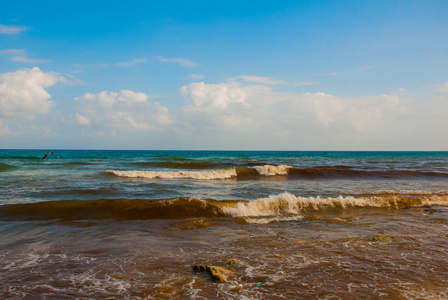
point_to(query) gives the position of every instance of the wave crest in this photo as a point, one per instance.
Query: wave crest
(197, 175)
(282, 207)
(266, 170)
(286, 203)
(269, 170)
(293, 173)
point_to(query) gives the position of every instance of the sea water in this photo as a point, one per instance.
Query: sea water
(301, 225)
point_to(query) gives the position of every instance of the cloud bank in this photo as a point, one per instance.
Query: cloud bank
(258, 113)
(248, 113)
(125, 110)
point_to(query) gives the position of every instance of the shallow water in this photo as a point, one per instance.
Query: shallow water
(71, 229)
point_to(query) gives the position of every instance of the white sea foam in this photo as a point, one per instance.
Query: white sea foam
(268, 170)
(288, 204)
(198, 175)
(30, 260)
(267, 220)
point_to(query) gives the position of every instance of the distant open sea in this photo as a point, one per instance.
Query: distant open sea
(298, 225)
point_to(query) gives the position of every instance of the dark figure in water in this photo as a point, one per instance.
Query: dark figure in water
(46, 154)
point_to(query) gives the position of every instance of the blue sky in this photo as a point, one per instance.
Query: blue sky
(242, 75)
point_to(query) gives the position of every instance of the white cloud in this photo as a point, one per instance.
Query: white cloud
(29, 60)
(443, 88)
(220, 95)
(23, 97)
(131, 63)
(21, 57)
(359, 69)
(196, 76)
(220, 114)
(71, 80)
(257, 79)
(250, 114)
(4, 130)
(349, 114)
(120, 64)
(11, 29)
(82, 120)
(303, 83)
(239, 114)
(123, 110)
(93, 65)
(178, 60)
(23, 94)
(268, 80)
(13, 51)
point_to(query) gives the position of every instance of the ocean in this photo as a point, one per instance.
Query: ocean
(273, 225)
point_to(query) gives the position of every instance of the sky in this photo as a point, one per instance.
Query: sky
(224, 75)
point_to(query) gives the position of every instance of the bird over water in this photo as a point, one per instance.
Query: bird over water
(46, 154)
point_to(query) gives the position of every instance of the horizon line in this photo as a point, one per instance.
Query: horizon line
(214, 150)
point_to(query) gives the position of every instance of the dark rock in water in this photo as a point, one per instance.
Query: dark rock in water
(383, 238)
(199, 268)
(230, 261)
(218, 274)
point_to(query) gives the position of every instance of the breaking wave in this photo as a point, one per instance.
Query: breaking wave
(266, 170)
(282, 207)
(289, 204)
(260, 172)
(197, 175)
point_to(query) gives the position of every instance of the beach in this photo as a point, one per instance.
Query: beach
(295, 225)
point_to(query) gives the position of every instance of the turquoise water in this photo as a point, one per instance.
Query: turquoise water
(301, 225)
(85, 175)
